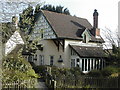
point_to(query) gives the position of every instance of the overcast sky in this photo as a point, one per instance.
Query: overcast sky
(107, 9)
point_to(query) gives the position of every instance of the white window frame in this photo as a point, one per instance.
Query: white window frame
(51, 60)
(41, 58)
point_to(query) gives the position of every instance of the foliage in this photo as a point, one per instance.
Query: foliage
(95, 73)
(7, 30)
(15, 67)
(26, 25)
(114, 57)
(26, 22)
(39, 69)
(107, 71)
(76, 71)
(58, 9)
(37, 9)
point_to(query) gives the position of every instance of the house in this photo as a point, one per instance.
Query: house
(11, 38)
(14, 43)
(67, 41)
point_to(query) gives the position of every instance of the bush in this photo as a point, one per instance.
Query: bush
(109, 71)
(76, 71)
(95, 73)
(15, 68)
(39, 69)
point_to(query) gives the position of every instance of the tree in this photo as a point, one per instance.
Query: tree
(15, 67)
(58, 9)
(26, 22)
(114, 56)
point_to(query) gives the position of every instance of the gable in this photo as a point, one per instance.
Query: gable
(14, 41)
(86, 34)
(42, 29)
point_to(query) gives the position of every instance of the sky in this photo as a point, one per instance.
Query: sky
(107, 9)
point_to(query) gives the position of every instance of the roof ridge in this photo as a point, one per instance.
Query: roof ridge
(63, 14)
(55, 12)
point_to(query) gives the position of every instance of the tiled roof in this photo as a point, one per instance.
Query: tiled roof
(67, 26)
(84, 51)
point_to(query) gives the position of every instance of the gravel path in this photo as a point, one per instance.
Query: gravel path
(41, 85)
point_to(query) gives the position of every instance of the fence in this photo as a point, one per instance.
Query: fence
(20, 84)
(81, 82)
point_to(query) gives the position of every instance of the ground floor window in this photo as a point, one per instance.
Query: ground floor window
(88, 64)
(78, 62)
(41, 57)
(72, 62)
(51, 60)
(30, 58)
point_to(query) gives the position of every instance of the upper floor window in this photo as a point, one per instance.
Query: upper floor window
(41, 33)
(84, 38)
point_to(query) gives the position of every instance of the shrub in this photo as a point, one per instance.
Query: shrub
(109, 71)
(76, 71)
(39, 69)
(15, 68)
(95, 73)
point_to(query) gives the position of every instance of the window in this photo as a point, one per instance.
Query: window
(51, 60)
(72, 62)
(78, 62)
(41, 57)
(95, 64)
(30, 58)
(41, 33)
(83, 64)
(92, 64)
(88, 64)
(73, 52)
(84, 38)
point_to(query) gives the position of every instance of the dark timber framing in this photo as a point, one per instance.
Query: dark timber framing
(58, 43)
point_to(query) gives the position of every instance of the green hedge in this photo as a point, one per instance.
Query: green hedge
(107, 71)
(15, 68)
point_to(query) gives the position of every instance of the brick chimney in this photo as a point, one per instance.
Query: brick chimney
(96, 30)
(95, 19)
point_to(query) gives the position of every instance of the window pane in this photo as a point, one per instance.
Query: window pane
(78, 62)
(88, 64)
(51, 60)
(95, 64)
(72, 62)
(85, 64)
(82, 64)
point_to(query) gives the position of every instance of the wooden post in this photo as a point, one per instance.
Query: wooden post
(54, 84)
